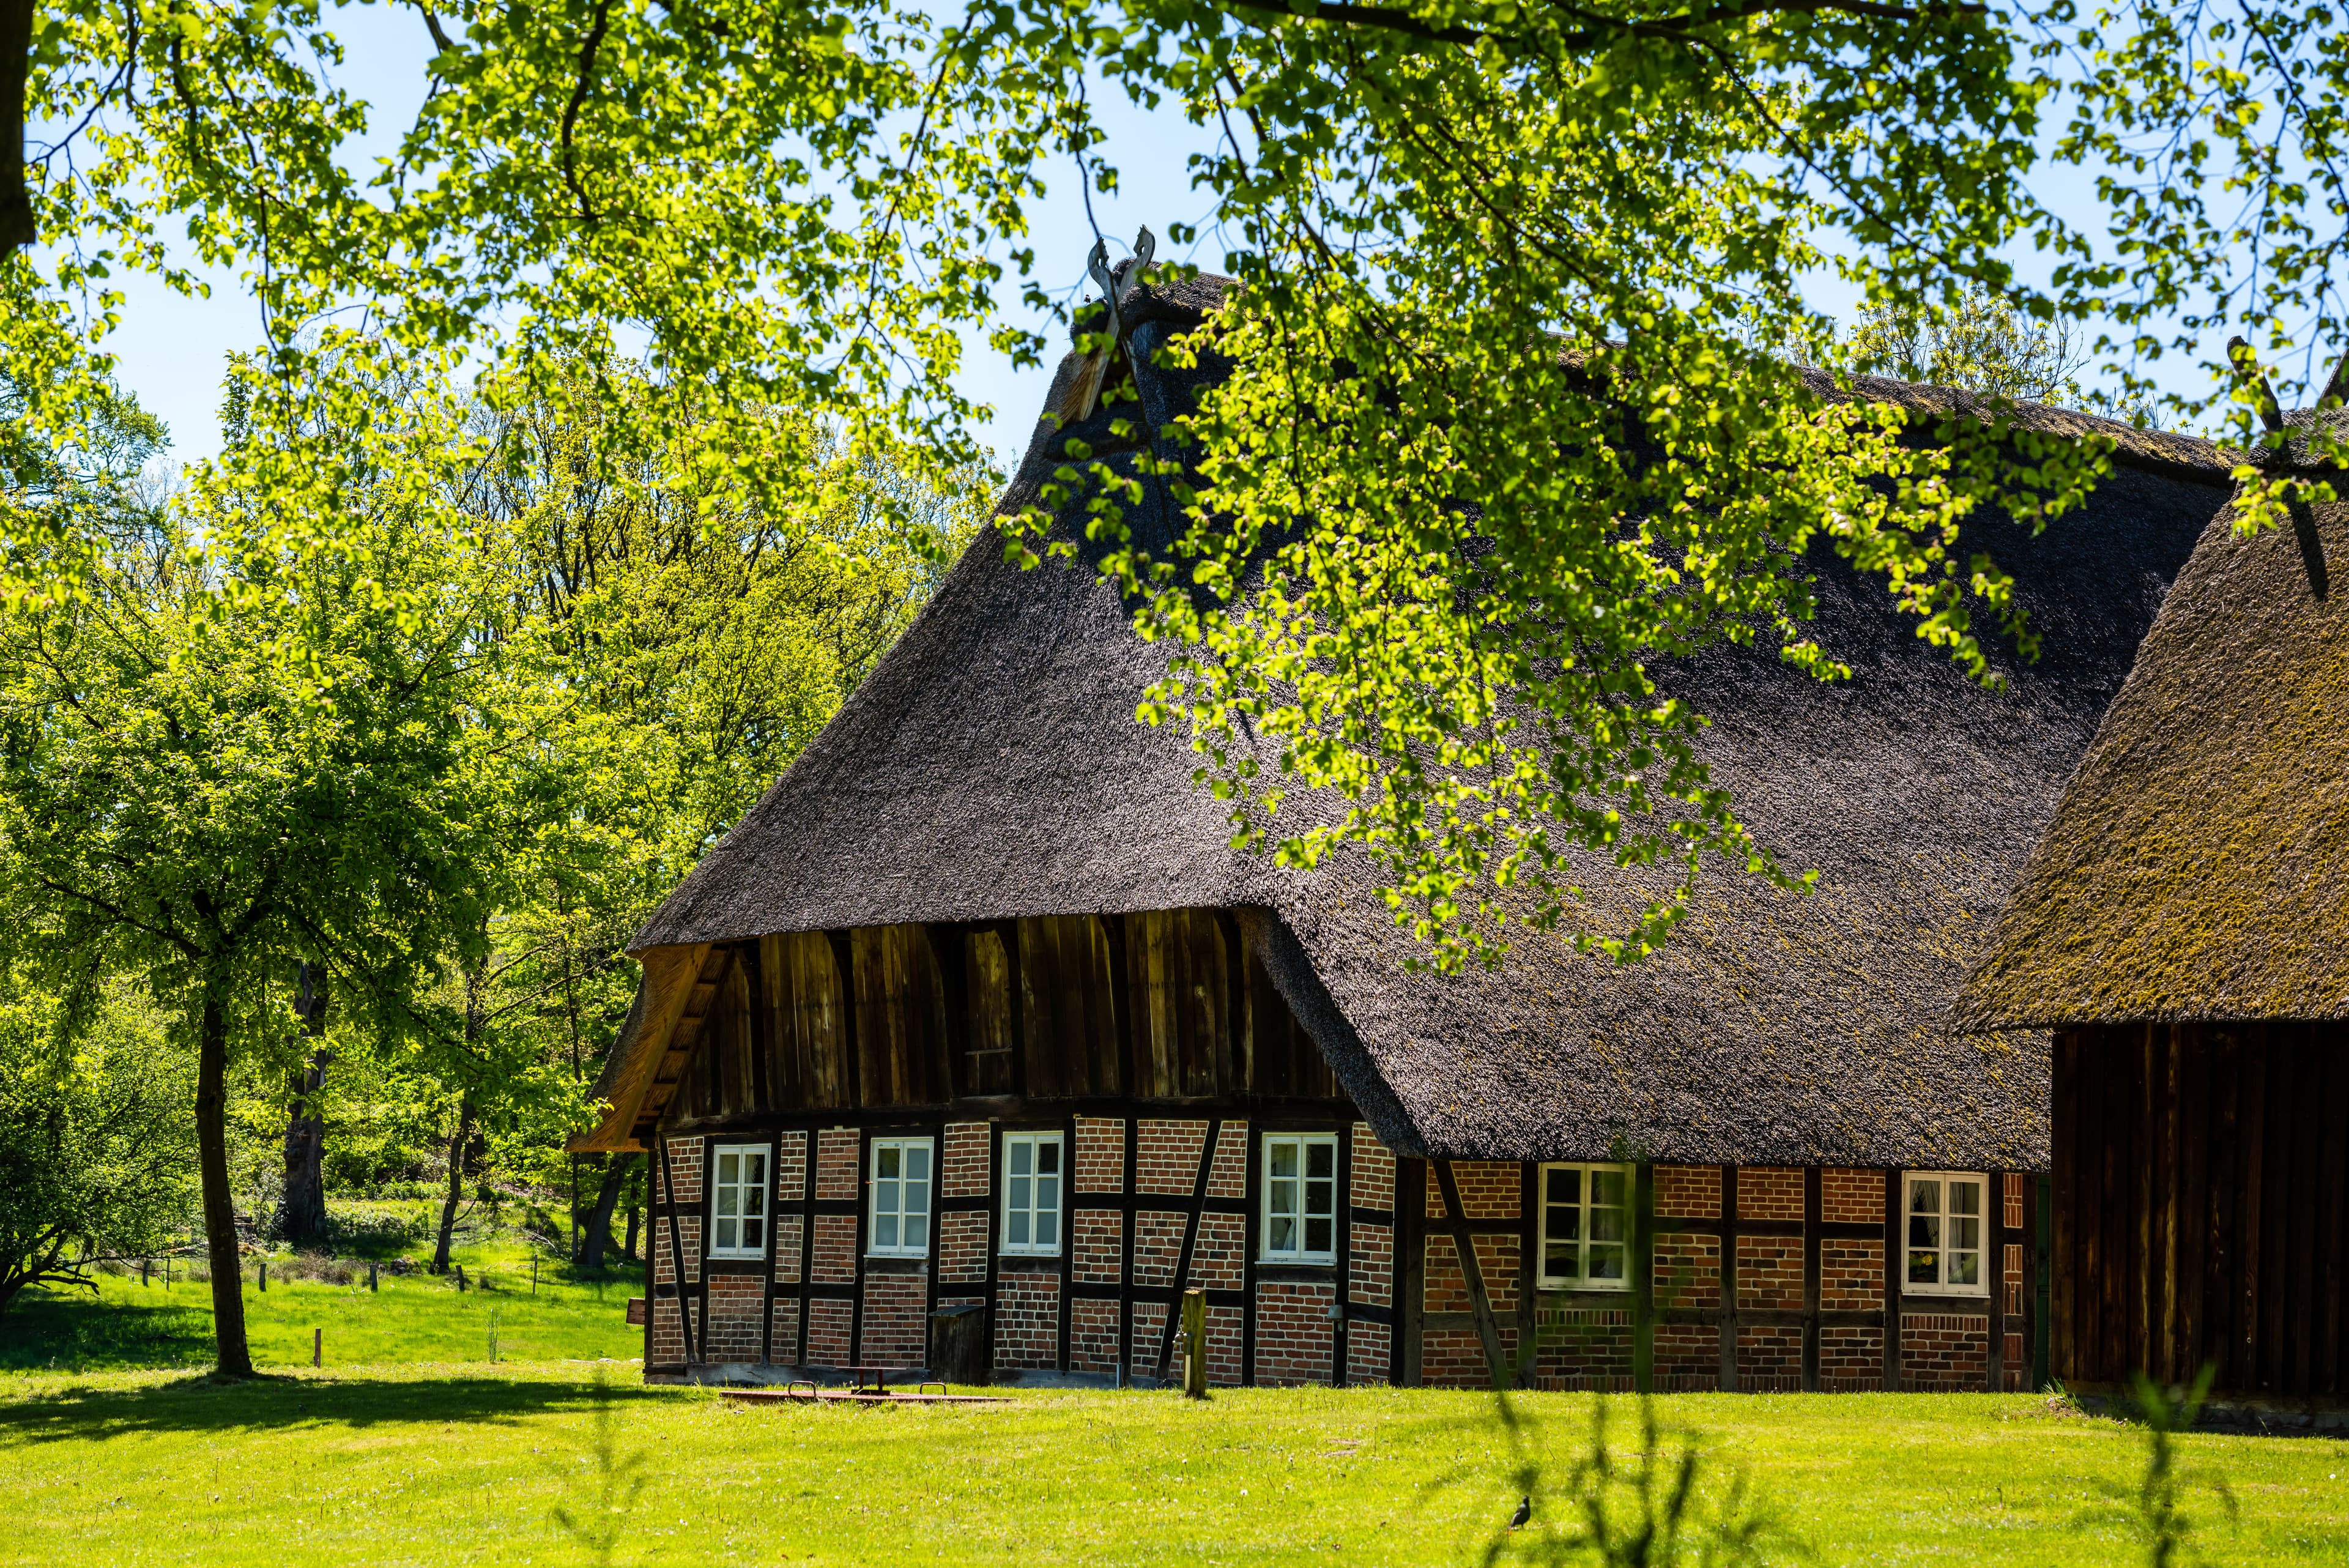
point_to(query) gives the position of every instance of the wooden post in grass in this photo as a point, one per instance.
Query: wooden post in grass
(461, 1278)
(371, 1273)
(317, 1347)
(1194, 1340)
(265, 1276)
(533, 1274)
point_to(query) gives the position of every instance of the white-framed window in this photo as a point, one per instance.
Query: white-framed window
(1586, 1227)
(1945, 1211)
(1033, 1183)
(900, 1188)
(738, 1201)
(1300, 1198)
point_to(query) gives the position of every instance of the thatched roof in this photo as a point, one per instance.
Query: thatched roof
(2198, 865)
(991, 767)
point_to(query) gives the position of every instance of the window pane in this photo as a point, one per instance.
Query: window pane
(1047, 1192)
(1965, 1232)
(1608, 1225)
(1965, 1268)
(1562, 1261)
(1282, 1196)
(1565, 1224)
(1022, 1192)
(1965, 1198)
(917, 1232)
(724, 1236)
(1320, 1236)
(1048, 1228)
(918, 1162)
(727, 1198)
(754, 1201)
(1015, 1229)
(1922, 1269)
(754, 1235)
(1565, 1186)
(1606, 1262)
(1321, 1159)
(1048, 1156)
(884, 1160)
(884, 1230)
(917, 1196)
(885, 1197)
(729, 1169)
(1281, 1235)
(1924, 1197)
(1321, 1197)
(1022, 1153)
(1607, 1187)
(1281, 1157)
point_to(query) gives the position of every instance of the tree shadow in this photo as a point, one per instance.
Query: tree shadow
(199, 1403)
(68, 1326)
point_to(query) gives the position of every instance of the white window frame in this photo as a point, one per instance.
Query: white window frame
(1059, 1208)
(1304, 1144)
(1942, 1243)
(760, 1193)
(928, 1149)
(1581, 1241)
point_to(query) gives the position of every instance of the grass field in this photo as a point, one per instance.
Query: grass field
(469, 1463)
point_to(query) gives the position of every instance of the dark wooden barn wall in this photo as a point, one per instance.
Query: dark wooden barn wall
(2199, 1205)
(1165, 1005)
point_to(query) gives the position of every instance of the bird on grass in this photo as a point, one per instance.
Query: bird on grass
(1525, 1512)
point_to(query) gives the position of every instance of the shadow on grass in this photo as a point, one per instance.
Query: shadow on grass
(69, 1329)
(197, 1403)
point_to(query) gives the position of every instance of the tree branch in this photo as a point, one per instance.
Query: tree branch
(571, 111)
(15, 65)
(1600, 30)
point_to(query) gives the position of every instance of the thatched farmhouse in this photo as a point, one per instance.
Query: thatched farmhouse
(2180, 929)
(977, 1011)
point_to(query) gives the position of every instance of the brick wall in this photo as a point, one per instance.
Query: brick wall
(1099, 1163)
(1219, 1255)
(1488, 1188)
(669, 1344)
(787, 1329)
(1226, 1326)
(1157, 1246)
(1769, 1192)
(1100, 1235)
(1768, 1354)
(896, 1319)
(964, 1161)
(1688, 1192)
(1851, 1274)
(1447, 1287)
(1295, 1339)
(1374, 1170)
(1944, 1350)
(1769, 1269)
(1228, 1177)
(1369, 1274)
(835, 1258)
(787, 1249)
(1688, 1356)
(1368, 1346)
(1028, 1318)
(1093, 1335)
(1167, 1155)
(1582, 1342)
(963, 1238)
(736, 1314)
(828, 1325)
(839, 1154)
(1852, 1197)
(1854, 1357)
(1688, 1270)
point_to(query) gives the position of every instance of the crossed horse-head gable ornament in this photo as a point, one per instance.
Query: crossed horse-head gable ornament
(1117, 285)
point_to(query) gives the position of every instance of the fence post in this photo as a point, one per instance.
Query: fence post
(265, 1276)
(1194, 1336)
(317, 1347)
(371, 1273)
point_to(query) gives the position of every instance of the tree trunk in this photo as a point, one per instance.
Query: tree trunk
(598, 1234)
(629, 1252)
(232, 1356)
(302, 1212)
(456, 1181)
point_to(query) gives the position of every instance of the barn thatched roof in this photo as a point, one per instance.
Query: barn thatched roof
(991, 767)
(2198, 865)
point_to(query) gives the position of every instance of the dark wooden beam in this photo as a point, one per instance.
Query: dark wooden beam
(1405, 1356)
(843, 959)
(1893, 1199)
(1728, 1279)
(676, 1255)
(1644, 1277)
(1488, 1329)
(1528, 1271)
(1813, 1205)
(1190, 1238)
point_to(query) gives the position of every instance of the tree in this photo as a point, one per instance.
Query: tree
(93, 1144)
(1562, 254)
(230, 755)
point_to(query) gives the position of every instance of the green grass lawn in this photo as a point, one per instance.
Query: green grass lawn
(467, 1463)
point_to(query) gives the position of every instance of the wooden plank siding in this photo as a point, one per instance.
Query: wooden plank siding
(2200, 1180)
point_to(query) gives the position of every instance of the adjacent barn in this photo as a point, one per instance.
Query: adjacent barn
(2179, 930)
(978, 1013)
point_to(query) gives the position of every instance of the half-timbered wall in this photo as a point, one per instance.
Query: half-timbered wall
(2201, 1206)
(1165, 1005)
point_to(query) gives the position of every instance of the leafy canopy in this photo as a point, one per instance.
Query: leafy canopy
(1512, 417)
